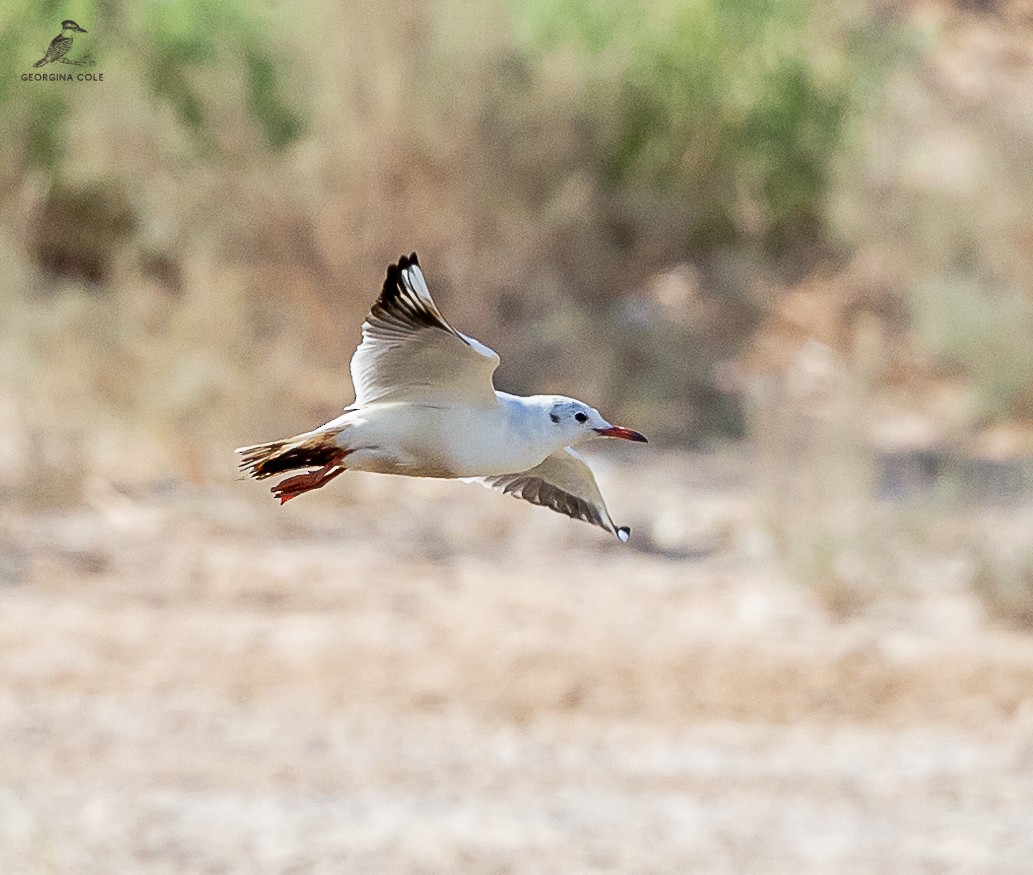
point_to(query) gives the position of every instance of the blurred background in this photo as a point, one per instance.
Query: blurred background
(789, 240)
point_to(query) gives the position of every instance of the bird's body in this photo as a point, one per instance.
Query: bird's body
(445, 440)
(60, 44)
(425, 407)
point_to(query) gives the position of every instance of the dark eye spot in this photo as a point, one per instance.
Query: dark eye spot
(581, 417)
(554, 417)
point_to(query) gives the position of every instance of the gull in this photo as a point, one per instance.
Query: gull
(426, 406)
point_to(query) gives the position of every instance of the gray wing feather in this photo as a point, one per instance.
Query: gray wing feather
(563, 483)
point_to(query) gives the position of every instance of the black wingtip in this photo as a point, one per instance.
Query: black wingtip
(393, 279)
(400, 302)
(405, 262)
(623, 533)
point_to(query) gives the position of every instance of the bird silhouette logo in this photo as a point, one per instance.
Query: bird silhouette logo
(61, 45)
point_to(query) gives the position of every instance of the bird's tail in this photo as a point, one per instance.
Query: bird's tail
(40, 62)
(317, 451)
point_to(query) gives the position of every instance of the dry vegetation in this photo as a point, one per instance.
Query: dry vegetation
(794, 235)
(413, 676)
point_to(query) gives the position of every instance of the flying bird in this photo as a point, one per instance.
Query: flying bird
(60, 44)
(425, 406)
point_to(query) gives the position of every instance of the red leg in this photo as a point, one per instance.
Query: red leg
(292, 487)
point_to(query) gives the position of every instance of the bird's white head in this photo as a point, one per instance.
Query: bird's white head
(573, 421)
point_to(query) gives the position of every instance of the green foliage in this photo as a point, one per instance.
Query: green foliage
(282, 126)
(187, 53)
(191, 36)
(736, 107)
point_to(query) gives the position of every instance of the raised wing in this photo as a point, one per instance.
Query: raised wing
(563, 483)
(410, 353)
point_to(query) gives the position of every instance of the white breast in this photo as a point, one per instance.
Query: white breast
(441, 441)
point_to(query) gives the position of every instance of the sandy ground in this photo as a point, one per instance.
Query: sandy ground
(420, 677)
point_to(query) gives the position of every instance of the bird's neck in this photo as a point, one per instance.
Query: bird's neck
(529, 421)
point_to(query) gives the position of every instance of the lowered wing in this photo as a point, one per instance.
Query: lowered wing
(563, 483)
